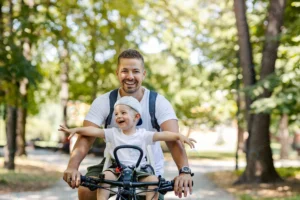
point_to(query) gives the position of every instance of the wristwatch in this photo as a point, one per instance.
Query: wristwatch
(185, 170)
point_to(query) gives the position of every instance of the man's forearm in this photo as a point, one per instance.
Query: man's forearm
(80, 150)
(178, 153)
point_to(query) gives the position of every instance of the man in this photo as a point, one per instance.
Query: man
(130, 73)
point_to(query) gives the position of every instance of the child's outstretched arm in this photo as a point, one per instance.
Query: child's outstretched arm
(171, 136)
(85, 131)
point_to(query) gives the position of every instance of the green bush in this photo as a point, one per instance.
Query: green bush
(284, 172)
(288, 172)
(248, 197)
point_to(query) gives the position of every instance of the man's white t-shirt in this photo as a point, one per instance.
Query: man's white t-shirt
(128, 156)
(163, 111)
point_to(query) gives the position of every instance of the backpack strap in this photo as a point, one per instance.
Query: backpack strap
(112, 100)
(152, 100)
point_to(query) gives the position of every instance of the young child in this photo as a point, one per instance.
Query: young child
(127, 112)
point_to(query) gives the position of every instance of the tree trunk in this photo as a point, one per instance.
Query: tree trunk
(10, 148)
(64, 93)
(11, 117)
(95, 72)
(26, 8)
(21, 121)
(189, 132)
(272, 37)
(1, 29)
(20, 132)
(240, 131)
(260, 167)
(284, 137)
(64, 78)
(239, 145)
(245, 57)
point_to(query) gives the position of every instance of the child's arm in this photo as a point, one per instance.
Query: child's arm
(85, 131)
(171, 136)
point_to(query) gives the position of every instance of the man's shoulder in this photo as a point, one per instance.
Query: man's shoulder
(147, 91)
(103, 97)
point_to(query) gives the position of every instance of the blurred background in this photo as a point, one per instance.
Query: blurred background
(231, 69)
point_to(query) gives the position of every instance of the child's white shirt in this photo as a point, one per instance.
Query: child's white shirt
(129, 156)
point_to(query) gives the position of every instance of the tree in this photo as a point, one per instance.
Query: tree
(15, 68)
(260, 167)
(27, 38)
(284, 103)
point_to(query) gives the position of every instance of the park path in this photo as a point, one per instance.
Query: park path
(203, 187)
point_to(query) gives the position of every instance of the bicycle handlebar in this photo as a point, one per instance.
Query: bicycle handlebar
(92, 184)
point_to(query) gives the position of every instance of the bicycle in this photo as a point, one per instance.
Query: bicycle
(128, 186)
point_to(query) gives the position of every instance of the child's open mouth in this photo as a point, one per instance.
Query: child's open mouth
(121, 121)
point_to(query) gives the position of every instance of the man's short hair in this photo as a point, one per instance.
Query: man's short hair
(131, 53)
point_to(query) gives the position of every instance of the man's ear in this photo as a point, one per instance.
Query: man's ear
(144, 74)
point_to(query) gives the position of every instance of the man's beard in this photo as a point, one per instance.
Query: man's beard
(130, 89)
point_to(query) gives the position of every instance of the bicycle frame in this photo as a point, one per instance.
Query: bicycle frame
(127, 187)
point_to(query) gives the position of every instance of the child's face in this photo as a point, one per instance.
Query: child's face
(125, 116)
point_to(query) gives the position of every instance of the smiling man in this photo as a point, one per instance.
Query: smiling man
(131, 73)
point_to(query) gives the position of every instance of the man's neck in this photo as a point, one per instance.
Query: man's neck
(138, 94)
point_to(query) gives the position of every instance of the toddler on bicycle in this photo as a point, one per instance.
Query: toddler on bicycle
(127, 111)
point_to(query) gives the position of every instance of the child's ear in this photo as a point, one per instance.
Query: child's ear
(137, 116)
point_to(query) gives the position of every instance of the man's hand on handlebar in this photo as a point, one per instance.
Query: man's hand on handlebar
(183, 182)
(72, 177)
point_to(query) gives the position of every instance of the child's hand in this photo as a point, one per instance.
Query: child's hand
(71, 131)
(189, 141)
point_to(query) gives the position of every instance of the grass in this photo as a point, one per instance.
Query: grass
(209, 155)
(212, 155)
(287, 190)
(284, 172)
(26, 178)
(248, 197)
(228, 155)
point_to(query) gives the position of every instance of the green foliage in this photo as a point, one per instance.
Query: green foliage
(287, 172)
(248, 197)
(211, 155)
(284, 172)
(200, 89)
(15, 65)
(286, 91)
(285, 83)
(194, 63)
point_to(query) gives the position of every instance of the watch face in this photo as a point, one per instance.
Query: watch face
(185, 170)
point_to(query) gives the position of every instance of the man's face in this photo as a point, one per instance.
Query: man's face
(131, 74)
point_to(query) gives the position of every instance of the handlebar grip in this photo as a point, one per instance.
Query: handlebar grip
(82, 178)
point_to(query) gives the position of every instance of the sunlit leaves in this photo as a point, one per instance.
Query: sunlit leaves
(285, 98)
